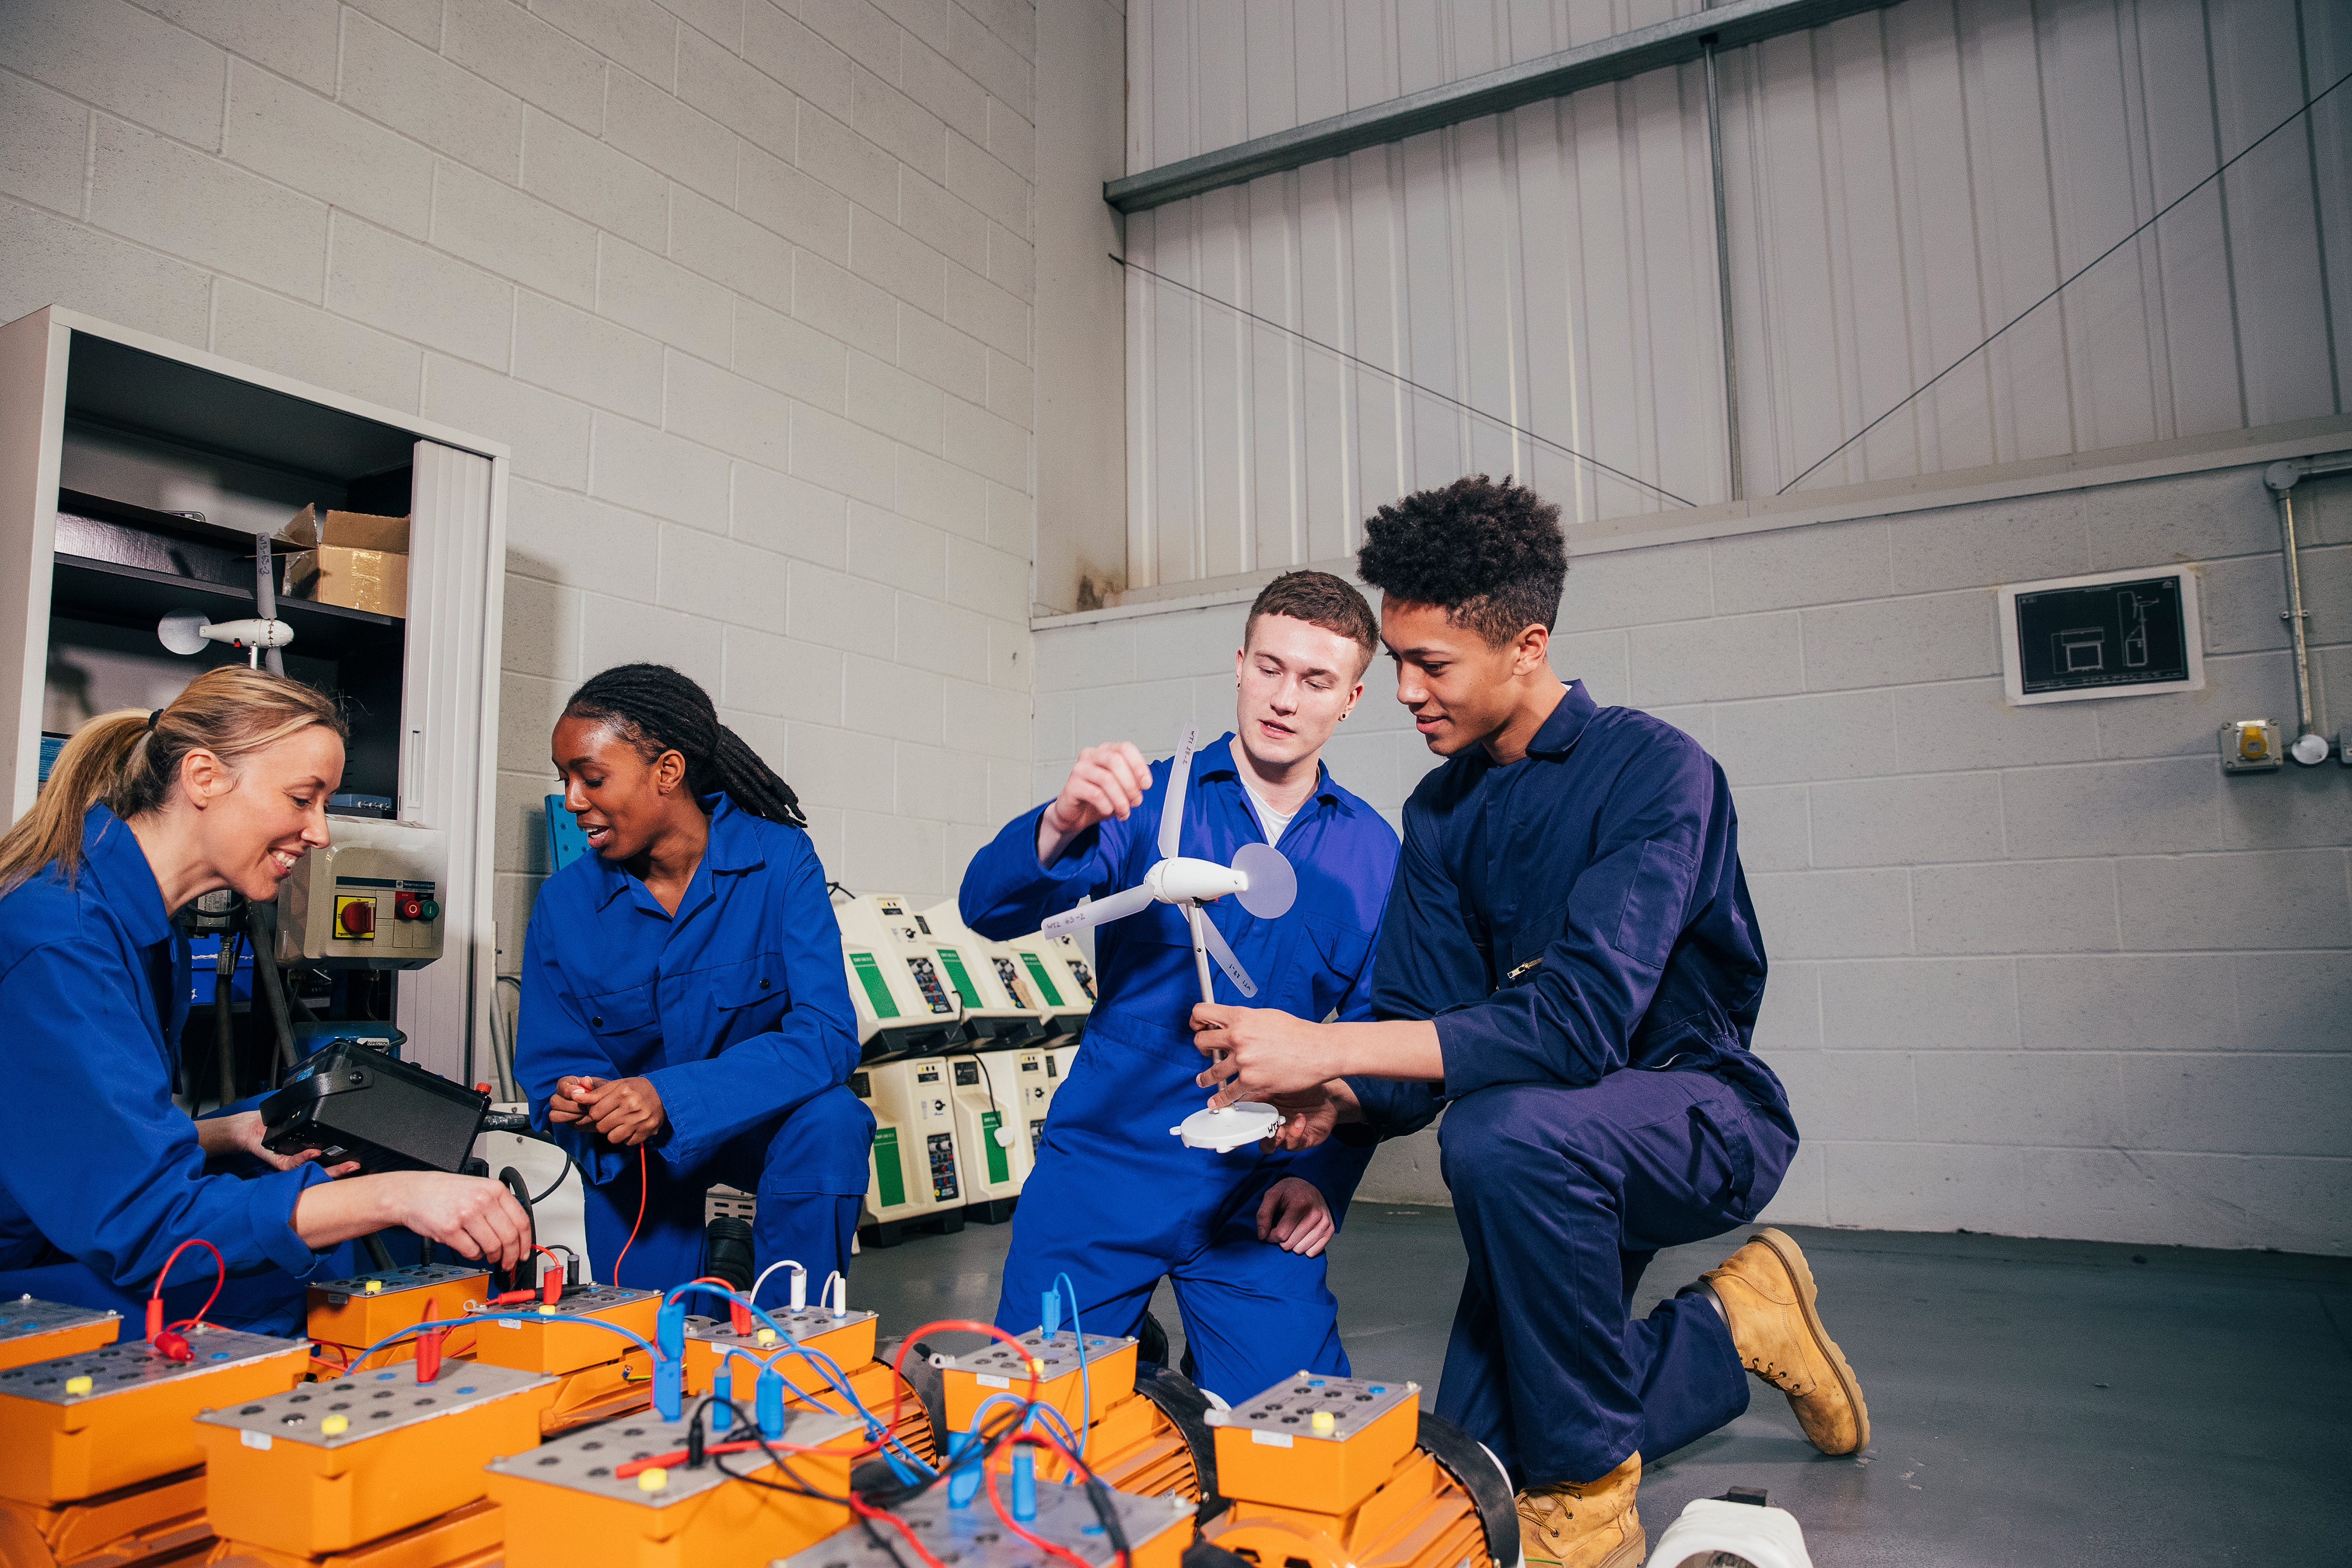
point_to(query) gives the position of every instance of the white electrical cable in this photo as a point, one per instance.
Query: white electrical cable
(840, 1305)
(799, 1281)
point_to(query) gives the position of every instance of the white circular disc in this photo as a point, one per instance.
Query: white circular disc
(1273, 881)
(183, 631)
(1227, 1130)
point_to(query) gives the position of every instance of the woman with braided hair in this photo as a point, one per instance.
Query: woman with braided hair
(686, 1017)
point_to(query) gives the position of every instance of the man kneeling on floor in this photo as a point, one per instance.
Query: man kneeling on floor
(1570, 965)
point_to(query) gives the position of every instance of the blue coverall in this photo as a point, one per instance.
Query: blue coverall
(101, 1173)
(1115, 1201)
(1577, 925)
(737, 1010)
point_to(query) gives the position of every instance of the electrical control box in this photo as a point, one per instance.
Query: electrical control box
(1065, 983)
(328, 1465)
(990, 1130)
(104, 1419)
(1328, 1441)
(1036, 1091)
(970, 1379)
(847, 1342)
(1002, 1007)
(917, 1172)
(566, 1506)
(898, 983)
(33, 1331)
(369, 900)
(1158, 1529)
(529, 1341)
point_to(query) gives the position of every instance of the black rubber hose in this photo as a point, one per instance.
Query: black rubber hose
(727, 1251)
(224, 1025)
(378, 1253)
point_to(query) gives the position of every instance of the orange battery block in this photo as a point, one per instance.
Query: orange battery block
(1325, 1472)
(1158, 1529)
(33, 1331)
(352, 1314)
(327, 1467)
(472, 1537)
(150, 1525)
(603, 1374)
(109, 1418)
(996, 1368)
(565, 1507)
(847, 1342)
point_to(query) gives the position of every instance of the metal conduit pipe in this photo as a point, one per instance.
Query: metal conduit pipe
(2310, 747)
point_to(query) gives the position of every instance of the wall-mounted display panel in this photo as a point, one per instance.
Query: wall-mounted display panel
(2112, 634)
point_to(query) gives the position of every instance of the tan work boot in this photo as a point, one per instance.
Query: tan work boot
(1584, 1524)
(1768, 1299)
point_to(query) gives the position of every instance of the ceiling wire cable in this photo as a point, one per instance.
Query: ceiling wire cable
(1407, 381)
(2078, 272)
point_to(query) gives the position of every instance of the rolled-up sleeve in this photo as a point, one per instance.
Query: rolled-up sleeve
(104, 1166)
(812, 1048)
(1570, 1018)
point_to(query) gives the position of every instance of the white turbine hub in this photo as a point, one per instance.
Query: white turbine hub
(1180, 877)
(1227, 1130)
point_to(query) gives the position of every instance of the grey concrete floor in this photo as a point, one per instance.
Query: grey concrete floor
(2032, 1402)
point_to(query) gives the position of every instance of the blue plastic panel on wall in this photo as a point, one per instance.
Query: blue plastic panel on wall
(565, 842)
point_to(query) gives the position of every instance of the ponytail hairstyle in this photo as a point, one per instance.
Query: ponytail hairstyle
(129, 759)
(656, 709)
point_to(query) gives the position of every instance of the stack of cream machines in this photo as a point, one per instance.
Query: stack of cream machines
(961, 1043)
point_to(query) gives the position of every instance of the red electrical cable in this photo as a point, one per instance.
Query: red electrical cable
(168, 1339)
(868, 1511)
(958, 1325)
(641, 1216)
(988, 1480)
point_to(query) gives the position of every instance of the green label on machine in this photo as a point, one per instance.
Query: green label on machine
(889, 1181)
(956, 976)
(1000, 1165)
(877, 990)
(1045, 981)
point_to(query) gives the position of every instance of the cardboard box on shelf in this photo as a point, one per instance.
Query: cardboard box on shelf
(347, 558)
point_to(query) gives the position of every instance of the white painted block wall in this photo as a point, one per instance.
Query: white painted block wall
(2039, 970)
(747, 286)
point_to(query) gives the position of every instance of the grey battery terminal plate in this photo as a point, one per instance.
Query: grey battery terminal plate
(973, 1537)
(798, 1326)
(373, 1403)
(122, 1367)
(583, 1460)
(24, 1317)
(1289, 1409)
(394, 1281)
(578, 1301)
(998, 1359)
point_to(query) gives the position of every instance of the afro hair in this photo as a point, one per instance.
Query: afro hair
(1491, 555)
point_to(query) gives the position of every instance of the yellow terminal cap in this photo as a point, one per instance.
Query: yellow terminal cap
(335, 1426)
(545, 1310)
(78, 1386)
(653, 1480)
(375, 1287)
(765, 1337)
(1321, 1421)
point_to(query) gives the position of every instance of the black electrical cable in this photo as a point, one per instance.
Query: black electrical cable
(719, 1462)
(559, 1177)
(1407, 381)
(2078, 272)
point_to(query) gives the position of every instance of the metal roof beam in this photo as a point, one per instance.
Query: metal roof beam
(1532, 81)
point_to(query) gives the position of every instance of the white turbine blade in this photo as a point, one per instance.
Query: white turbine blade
(1119, 906)
(1171, 804)
(1215, 943)
(1273, 883)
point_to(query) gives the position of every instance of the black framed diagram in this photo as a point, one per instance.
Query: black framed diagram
(2111, 634)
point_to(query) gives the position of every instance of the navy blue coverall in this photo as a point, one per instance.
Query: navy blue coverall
(101, 1174)
(737, 1010)
(1577, 925)
(1115, 1201)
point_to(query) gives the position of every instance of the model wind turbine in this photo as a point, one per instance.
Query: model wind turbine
(1259, 878)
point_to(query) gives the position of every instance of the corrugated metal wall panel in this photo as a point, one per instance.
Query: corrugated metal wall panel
(1899, 184)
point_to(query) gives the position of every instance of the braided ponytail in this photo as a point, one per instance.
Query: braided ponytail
(657, 710)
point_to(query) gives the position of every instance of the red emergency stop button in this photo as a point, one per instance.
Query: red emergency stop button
(409, 906)
(357, 917)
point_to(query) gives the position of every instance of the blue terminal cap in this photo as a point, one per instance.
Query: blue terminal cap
(1024, 1484)
(670, 1389)
(1049, 1314)
(768, 1404)
(669, 1330)
(963, 1477)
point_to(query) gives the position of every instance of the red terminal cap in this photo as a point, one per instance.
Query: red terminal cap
(174, 1344)
(514, 1298)
(155, 1317)
(550, 1286)
(428, 1350)
(738, 1314)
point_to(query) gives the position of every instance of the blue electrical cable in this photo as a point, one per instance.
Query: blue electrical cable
(441, 1325)
(1085, 1386)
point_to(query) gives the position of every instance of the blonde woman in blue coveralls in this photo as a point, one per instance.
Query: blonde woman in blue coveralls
(685, 1018)
(101, 1175)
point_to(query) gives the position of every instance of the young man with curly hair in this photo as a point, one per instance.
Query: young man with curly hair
(1569, 966)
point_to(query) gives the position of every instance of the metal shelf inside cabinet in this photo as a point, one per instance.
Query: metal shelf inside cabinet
(112, 593)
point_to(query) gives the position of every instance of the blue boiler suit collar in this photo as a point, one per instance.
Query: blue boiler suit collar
(733, 850)
(1556, 736)
(114, 863)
